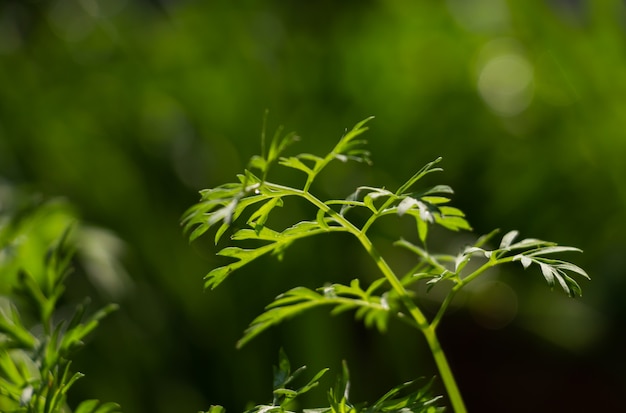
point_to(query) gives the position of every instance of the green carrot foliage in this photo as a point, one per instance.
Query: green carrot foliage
(389, 296)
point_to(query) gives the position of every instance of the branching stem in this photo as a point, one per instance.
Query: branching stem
(422, 323)
(426, 208)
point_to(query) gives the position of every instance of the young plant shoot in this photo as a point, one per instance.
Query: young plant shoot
(388, 296)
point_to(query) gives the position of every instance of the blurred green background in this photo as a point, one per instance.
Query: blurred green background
(127, 108)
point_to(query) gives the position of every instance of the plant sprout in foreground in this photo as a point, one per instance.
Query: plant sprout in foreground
(388, 296)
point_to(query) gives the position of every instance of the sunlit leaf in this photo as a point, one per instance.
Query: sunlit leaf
(400, 399)
(422, 230)
(529, 243)
(373, 195)
(554, 271)
(439, 189)
(375, 286)
(435, 200)
(507, 239)
(295, 163)
(347, 145)
(562, 265)
(406, 204)
(309, 157)
(426, 169)
(243, 256)
(453, 223)
(258, 162)
(95, 406)
(298, 303)
(548, 272)
(343, 297)
(425, 214)
(260, 216)
(552, 250)
(524, 260)
(279, 144)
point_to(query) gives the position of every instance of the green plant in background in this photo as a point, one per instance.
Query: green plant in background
(375, 301)
(36, 342)
(338, 396)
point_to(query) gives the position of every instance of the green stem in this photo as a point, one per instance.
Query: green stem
(317, 169)
(459, 284)
(377, 214)
(444, 369)
(462, 283)
(433, 342)
(422, 322)
(428, 330)
(371, 250)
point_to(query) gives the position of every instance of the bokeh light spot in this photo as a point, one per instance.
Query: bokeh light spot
(506, 82)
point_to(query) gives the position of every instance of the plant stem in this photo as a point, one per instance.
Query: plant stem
(444, 369)
(462, 283)
(422, 322)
